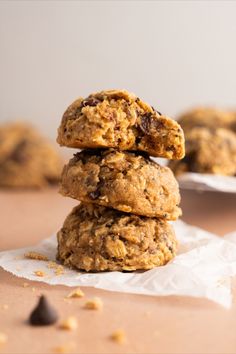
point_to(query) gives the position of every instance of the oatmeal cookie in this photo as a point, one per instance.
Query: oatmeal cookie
(208, 151)
(94, 238)
(27, 160)
(119, 119)
(208, 118)
(127, 181)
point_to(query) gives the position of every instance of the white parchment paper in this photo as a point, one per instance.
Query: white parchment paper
(203, 182)
(207, 182)
(203, 268)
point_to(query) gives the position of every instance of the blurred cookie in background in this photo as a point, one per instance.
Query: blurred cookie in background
(207, 117)
(27, 159)
(208, 150)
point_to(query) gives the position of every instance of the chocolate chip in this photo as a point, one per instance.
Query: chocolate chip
(43, 314)
(90, 101)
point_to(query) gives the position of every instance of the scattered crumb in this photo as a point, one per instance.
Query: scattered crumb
(69, 323)
(3, 338)
(59, 269)
(5, 307)
(39, 273)
(35, 255)
(52, 265)
(94, 304)
(119, 336)
(25, 285)
(64, 348)
(77, 293)
(33, 289)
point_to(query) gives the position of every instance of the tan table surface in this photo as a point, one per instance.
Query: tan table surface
(152, 324)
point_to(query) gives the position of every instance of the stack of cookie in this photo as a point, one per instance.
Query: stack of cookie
(126, 198)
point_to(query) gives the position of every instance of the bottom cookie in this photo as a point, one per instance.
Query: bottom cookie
(95, 238)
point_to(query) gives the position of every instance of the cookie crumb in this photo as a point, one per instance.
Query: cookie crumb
(58, 268)
(39, 273)
(5, 307)
(94, 304)
(69, 323)
(3, 338)
(77, 293)
(33, 290)
(64, 348)
(36, 256)
(119, 336)
(25, 285)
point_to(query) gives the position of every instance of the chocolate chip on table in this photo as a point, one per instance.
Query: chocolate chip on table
(91, 101)
(43, 314)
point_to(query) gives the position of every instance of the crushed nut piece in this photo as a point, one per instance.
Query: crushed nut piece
(35, 255)
(119, 336)
(64, 348)
(94, 304)
(39, 273)
(70, 323)
(75, 293)
(3, 338)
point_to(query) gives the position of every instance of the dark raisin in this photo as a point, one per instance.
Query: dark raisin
(146, 123)
(95, 194)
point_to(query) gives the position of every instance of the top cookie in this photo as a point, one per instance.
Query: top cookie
(120, 120)
(209, 118)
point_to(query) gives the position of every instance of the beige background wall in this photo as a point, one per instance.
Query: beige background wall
(173, 54)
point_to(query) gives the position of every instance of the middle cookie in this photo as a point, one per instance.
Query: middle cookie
(125, 181)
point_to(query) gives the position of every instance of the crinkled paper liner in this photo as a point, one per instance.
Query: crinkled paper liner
(203, 268)
(207, 182)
